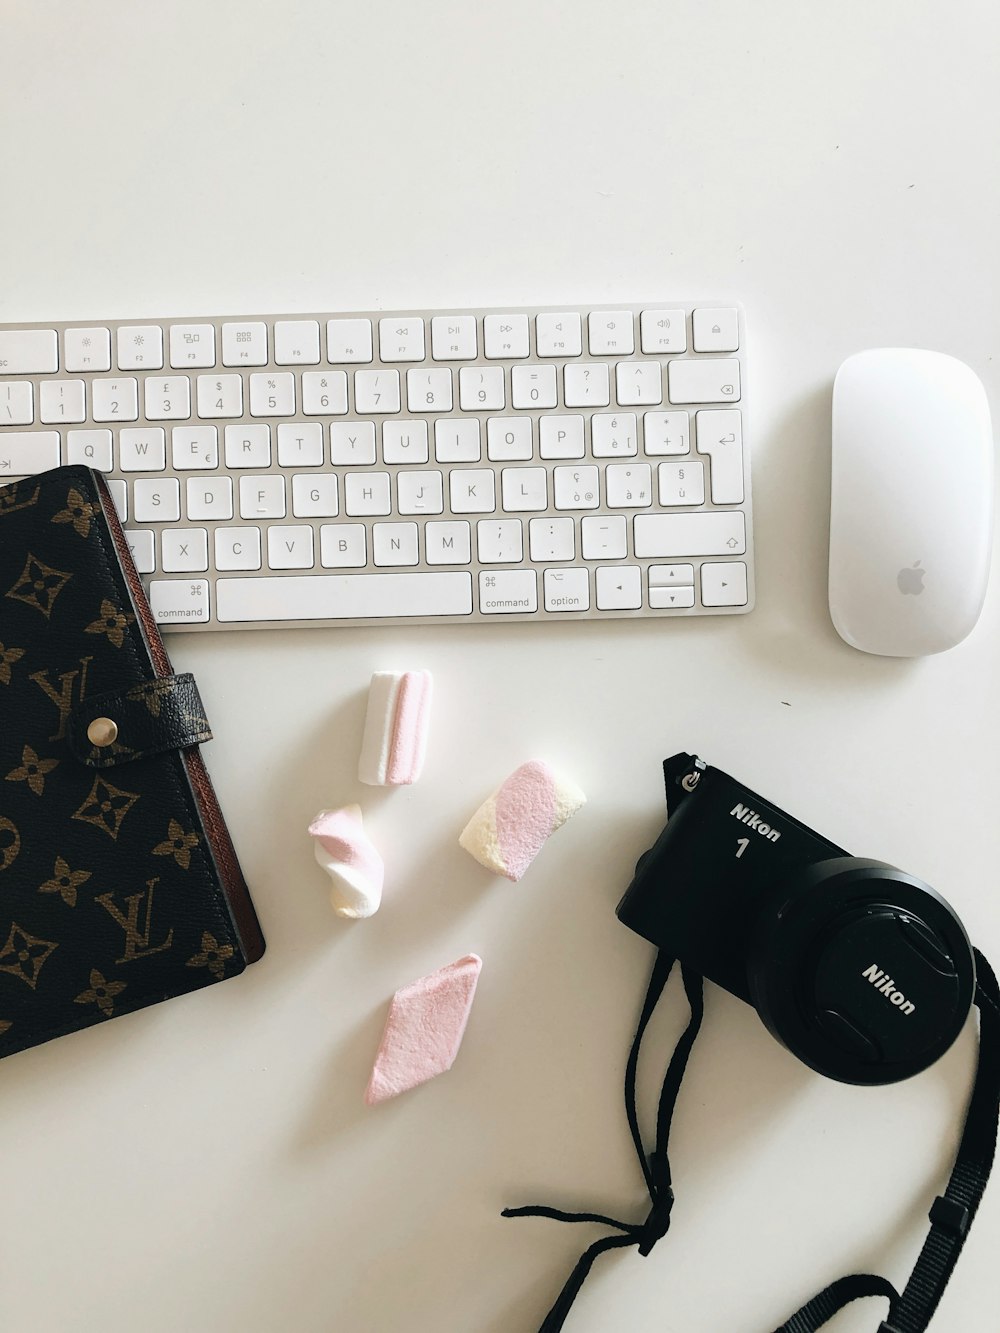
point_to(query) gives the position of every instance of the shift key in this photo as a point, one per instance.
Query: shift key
(668, 536)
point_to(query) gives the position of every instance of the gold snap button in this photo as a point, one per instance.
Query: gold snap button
(102, 732)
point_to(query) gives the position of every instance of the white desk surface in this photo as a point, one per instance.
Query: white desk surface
(208, 1165)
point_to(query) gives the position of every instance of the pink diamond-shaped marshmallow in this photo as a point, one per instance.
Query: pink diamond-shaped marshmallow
(424, 1029)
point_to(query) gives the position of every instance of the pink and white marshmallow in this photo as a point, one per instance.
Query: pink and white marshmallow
(346, 853)
(396, 725)
(424, 1029)
(510, 828)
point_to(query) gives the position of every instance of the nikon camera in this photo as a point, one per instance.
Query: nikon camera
(861, 970)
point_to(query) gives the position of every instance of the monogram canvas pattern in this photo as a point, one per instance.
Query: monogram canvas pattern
(110, 896)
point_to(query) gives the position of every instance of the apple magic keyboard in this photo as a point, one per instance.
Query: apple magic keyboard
(489, 465)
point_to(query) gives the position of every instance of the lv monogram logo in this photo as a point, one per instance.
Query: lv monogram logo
(63, 698)
(137, 943)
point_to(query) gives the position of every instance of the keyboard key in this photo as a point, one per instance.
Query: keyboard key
(352, 443)
(716, 329)
(401, 340)
(119, 494)
(576, 488)
(669, 576)
(86, 349)
(586, 385)
(473, 491)
(262, 497)
(453, 338)
(142, 544)
(524, 488)
(156, 501)
(184, 550)
(345, 596)
(192, 345)
(638, 382)
(506, 337)
(663, 331)
(270, 395)
(290, 547)
(167, 399)
(681, 483)
(724, 584)
(314, 495)
(62, 401)
(666, 536)
(296, 342)
(619, 588)
(609, 333)
(533, 386)
(567, 590)
(394, 544)
(561, 437)
(666, 433)
(405, 442)
(209, 498)
(506, 592)
(17, 404)
(558, 334)
(714, 381)
(28, 352)
(222, 396)
(196, 448)
(324, 393)
(244, 344)
(248, 446)
(447, 543)
(614, 435)
(499, 541)
(367, 493)
(300, 444)
(457, 441)
(420, 492)
(179, 601)
(720, 436)
(92, 448)
(343, 545)
(604, 537)
(23, 452)
(552, 539)
(114, 400)
(676, 599)
(140, 347)
(376, 391)
(142, 449)
(508, 439)
(481, 390)
(629, 486)
(237, 548)
(428, 390)
(348, 341)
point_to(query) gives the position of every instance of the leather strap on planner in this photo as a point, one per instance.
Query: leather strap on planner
(140, 720)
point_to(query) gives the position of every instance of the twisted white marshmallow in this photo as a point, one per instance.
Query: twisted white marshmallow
(348, 856)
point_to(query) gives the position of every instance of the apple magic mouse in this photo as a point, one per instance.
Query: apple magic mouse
(911, 503)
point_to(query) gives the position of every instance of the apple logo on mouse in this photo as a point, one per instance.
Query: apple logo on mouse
(911, 579)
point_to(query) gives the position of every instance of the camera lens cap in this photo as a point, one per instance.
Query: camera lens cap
(863, 971)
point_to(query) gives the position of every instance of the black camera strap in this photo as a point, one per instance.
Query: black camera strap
(951, 1214)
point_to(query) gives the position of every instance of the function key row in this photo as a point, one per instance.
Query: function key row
(352, 341)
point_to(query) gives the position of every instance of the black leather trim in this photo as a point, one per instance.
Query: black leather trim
(152, 717)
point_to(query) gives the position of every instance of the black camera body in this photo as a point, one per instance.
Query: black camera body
(863, 971)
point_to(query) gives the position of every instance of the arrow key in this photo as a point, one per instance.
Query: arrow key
(619, 588)
(671, 599)
(724, 584)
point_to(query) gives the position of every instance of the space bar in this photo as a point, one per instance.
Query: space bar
(344, 596)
